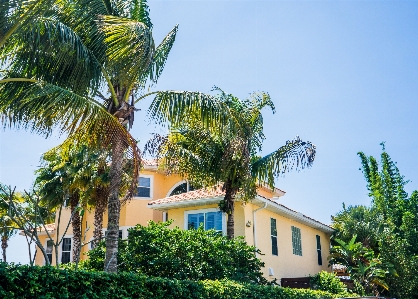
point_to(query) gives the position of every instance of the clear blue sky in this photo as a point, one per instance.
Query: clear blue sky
(342, 74)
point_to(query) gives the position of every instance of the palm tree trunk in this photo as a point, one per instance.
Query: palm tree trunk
(76, 224)
(4, 245)
(229, 200)
(113, 208)
(100, 208)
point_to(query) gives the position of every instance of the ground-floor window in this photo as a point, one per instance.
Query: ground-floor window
(66, 251)
(209, 219)
(296, 241)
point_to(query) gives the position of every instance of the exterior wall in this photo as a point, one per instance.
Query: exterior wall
(286, 264)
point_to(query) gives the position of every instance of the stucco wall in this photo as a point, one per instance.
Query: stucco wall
(286, 264)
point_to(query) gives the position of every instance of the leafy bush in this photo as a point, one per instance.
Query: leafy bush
(156, 250)
(22, 281)
(326, 281)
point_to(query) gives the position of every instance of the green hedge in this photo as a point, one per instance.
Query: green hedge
(22, 281)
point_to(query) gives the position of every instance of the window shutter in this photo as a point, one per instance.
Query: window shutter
(318, 249)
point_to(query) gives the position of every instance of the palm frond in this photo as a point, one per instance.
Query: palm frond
(51, 51)
(140, 12)
(175, 106)
(160, 58)
(295, 155)
(130, 47)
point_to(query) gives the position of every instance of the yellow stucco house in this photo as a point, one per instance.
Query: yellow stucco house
(292, 244)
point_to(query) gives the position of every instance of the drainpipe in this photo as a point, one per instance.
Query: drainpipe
(254, 225)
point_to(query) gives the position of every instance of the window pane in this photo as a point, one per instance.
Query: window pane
(144, 182)
(49, 246)
(194, 220)
(273, 227)
(274, 249)
(66, 244)
(144, 192)
(120, 234)
(179, 189)
(65, 258)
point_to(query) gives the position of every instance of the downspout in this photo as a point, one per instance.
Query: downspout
(254, 225)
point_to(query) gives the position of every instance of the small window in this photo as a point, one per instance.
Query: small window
(209, 220)
(296, 241)
(66, 251)
(49, 246)
(318, 249)
(182, 188)
(274, 249)
(144, 187)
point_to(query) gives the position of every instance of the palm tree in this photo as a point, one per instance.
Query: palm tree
(57, 74)
(230, 157)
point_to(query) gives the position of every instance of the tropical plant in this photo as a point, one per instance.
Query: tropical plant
(57, 74)
(229, 156)
(157, 250)
(366, 269)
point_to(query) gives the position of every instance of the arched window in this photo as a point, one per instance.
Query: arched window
(182, 188)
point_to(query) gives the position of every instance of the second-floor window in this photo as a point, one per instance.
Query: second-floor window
(144, 187)
(296, 241)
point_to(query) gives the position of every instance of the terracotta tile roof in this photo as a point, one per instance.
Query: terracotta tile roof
(146, 162)
(50, 227)
(191, 195)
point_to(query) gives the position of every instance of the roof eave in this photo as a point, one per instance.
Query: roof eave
(186, 203)
(297, 216)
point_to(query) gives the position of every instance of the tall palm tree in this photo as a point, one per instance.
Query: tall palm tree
(230, 157)
(82, 68)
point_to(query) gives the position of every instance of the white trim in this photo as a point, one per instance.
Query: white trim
(151, 184)
(186, 213)
(71, 249)
(176, 185)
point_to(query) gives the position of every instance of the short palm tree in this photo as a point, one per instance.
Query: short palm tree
(81, 67)
(230, 157)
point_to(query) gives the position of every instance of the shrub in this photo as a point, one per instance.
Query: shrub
(328, 282)
(23, 281)
(156, 250)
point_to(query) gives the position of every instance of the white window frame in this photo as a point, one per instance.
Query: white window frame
(71, 249)
(186, 216)
(151, 184)
(178, 184)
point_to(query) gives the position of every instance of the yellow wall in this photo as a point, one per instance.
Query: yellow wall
(286, 264)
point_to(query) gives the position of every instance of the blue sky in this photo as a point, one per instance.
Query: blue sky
(342, 74)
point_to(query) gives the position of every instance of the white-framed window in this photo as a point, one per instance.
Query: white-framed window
(66, 249)
(48, 248)
(208, 218)
(181, 187)
(296, 241)
(145, 183)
